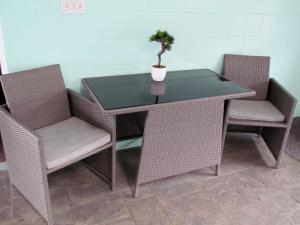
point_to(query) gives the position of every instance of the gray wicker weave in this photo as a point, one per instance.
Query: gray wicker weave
(181, 138)
(37, 104)
(242, 69)
(30, 108)
(253, 72)
(293, 142)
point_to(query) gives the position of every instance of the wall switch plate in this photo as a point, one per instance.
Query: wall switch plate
(73, 6)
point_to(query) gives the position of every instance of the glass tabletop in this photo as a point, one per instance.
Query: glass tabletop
(116, 92)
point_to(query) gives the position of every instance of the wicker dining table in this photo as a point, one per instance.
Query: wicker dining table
(180, 119)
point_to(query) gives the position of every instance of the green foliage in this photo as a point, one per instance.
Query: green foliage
(166, 41)
(164, 38)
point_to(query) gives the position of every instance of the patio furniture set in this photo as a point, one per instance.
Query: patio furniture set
(183, 121)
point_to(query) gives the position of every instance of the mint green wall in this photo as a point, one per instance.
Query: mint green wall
(112, 37)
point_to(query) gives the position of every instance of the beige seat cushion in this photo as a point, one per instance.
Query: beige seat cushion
(255, 110)
(70, 139)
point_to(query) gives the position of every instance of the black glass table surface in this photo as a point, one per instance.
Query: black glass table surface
(117, 92)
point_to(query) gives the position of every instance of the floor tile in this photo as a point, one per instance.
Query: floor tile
(126, 221)
(170, 187)
(258, 215)
(5, 217)
(294, 217)
(86, 193)
(148, 211)
(282, 204)
(187, 218)
(82, 175)
(275, 211)
(221, 184)
(294, 192)
(205, 207)
(60, 202)
(25, 214)
(236, 199)
(60, 179)
(63, 219)
(175, 205)
(257, 185)
(100, 210)
(249, 191)
(4, 199)
(235, 163)
(284, 177)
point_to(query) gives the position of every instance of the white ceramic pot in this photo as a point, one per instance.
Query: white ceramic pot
(158, 74)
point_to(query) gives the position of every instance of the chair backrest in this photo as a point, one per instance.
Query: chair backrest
(180, 138)
(37, 97)
(250, 71)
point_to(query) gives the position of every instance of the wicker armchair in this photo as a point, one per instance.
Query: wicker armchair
(45, 128)
(270, 112)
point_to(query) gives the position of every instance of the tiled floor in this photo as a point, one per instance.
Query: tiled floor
(248, 192)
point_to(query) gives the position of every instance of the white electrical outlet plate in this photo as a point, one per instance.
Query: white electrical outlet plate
(73, 6)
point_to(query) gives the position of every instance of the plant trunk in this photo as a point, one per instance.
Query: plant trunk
(159, 59)
(162, 51)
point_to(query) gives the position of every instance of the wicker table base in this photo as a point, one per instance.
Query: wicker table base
(293, 142)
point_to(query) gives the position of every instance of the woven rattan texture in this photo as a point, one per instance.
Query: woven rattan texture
(25, 162)
(250, 71)
(90, 112)
(293, 142)
(37, 97)
(282, 99)
(275, 139)
(181, 138)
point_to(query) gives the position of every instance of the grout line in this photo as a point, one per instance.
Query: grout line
(131, 214)
(164, 210)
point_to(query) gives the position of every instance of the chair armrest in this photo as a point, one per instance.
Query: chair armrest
(25, 161)
(8, 123)
(16, 137)
(89, 111)
(282, 99)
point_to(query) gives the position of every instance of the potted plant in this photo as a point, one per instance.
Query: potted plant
(159, 71)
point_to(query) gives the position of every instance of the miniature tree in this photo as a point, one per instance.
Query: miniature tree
(166, 41)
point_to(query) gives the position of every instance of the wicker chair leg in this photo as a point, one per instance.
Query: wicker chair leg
(281, 152)
(136, 190)
(217, 170)
(50, 220)
(113, 169)
(276, 138)
(225, 123)
(277, 164)
(259, 131)
(11, 202)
